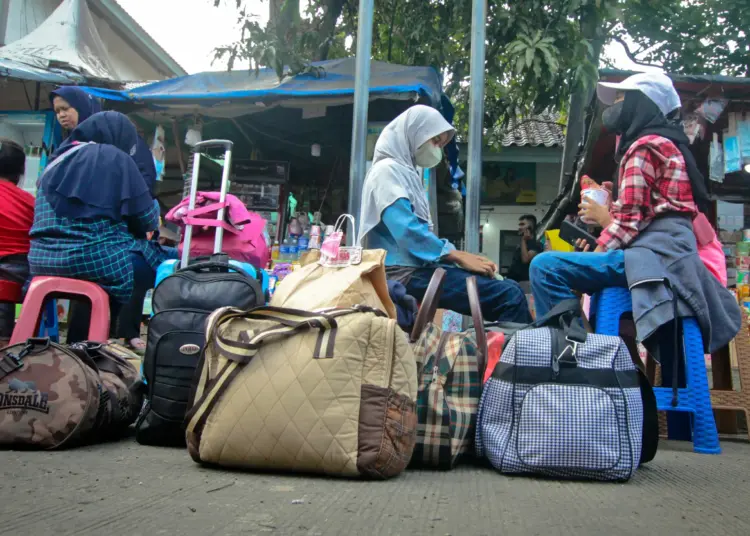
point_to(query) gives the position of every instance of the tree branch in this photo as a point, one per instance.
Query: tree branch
(632, 57)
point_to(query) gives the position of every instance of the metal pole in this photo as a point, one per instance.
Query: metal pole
(361, 101)
(476, 126)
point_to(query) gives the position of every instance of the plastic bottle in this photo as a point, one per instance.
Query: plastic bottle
(285, 252)
(303, 244)
(275, 250)
(292, 248)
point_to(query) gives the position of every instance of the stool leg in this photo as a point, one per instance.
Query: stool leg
(31, 311)
(705, 436)
(679, 423)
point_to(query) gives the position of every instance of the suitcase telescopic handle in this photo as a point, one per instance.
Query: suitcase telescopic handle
(227, 145)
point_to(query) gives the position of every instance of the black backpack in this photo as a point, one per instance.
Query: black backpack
(176, 336)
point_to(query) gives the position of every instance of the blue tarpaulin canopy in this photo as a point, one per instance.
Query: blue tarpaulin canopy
(233, 93)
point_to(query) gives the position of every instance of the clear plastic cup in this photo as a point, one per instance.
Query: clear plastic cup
(597, 195)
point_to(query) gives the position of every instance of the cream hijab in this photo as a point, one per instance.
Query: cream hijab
(394, 174)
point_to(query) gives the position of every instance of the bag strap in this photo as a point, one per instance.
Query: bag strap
(288, 323)
(205, 222)
(650, 437)
(478, 319)
(678, 351)
(429, 305)
(564, 316)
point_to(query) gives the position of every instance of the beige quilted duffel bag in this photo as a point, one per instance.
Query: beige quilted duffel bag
(327, 392)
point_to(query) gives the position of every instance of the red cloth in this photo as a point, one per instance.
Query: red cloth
(495, 344)
(653, 181)
(16, 219)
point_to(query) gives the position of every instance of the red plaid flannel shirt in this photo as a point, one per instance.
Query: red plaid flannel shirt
(653, 181)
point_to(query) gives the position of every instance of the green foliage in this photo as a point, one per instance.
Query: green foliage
(689, 36)
(538, 52)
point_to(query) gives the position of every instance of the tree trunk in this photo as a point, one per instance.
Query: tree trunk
(327, 28)
(274, 9)
(591, 28)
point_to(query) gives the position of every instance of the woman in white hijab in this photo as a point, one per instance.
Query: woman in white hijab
(396, 217)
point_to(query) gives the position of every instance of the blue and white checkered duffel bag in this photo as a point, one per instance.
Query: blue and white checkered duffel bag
(563, 403)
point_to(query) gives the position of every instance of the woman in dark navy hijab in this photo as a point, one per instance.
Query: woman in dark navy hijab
(93, 212)
(73, 106)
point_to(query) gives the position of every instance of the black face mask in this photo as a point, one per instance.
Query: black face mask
(611, 118)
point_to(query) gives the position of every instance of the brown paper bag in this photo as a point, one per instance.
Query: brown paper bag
(315, 287)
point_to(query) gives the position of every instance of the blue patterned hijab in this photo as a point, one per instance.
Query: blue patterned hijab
(93, 173)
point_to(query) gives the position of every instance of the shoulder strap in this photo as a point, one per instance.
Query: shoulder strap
(67, 154)
(429, 304)
(650, 437)
(478, 319)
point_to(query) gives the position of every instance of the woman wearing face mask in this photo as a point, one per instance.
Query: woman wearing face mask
(396, 218)
(653, 230)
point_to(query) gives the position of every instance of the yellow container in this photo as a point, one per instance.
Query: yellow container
(555, 242)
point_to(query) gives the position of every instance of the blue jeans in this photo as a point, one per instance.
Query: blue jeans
(128, 324)
(555, 275)
(500, 300)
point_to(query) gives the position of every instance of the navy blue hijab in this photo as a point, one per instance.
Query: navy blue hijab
(145, 162)
(100, 179)
(84, 104)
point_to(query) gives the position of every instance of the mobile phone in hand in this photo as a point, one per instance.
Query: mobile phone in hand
(571, 233)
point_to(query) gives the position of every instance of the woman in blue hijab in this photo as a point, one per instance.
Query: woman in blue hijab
(93, 211)
(73, 106)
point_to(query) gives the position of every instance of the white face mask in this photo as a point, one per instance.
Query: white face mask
(428, 155)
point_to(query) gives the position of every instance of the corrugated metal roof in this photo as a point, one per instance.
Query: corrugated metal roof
(545, 130)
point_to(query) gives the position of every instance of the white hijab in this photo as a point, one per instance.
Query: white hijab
(393, 174)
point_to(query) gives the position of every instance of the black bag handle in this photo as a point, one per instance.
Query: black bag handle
(213, 265)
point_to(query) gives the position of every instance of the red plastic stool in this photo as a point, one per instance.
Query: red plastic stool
(43, 288)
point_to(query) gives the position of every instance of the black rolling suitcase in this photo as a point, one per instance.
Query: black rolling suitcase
(176, 334)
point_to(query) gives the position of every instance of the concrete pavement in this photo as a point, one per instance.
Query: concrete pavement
(126, 489)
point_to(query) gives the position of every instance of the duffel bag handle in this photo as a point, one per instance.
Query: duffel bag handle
(207, 265)
(564, 316)
(288, 322)
(478, 319)
(429, 305)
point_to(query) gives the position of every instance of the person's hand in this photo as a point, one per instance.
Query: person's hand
(593, 211)
(583, 245)
(473, 263)
(526, 236)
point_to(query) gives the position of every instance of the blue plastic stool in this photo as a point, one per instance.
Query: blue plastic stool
(694, 399)
(48, 327)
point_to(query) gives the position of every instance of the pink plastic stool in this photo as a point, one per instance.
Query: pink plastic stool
(44, 287)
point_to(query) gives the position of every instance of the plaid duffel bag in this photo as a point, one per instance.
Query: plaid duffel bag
(451, 367)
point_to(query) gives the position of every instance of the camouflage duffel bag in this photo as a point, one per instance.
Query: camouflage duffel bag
(56, 396)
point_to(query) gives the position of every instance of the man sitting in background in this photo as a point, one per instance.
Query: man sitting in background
(519, 267)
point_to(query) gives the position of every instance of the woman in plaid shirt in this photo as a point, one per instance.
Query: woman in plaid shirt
(660, 193)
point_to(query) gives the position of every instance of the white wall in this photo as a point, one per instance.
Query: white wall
(24, 16)
(505, 217)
